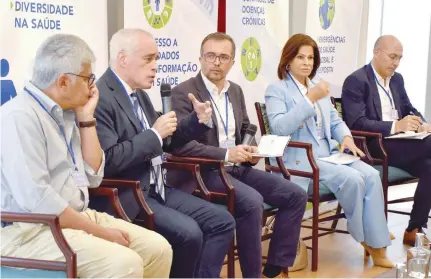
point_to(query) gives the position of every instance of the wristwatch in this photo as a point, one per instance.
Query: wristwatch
(86, 124)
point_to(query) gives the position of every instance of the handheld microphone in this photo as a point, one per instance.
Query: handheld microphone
(165, 92)
(249, 134)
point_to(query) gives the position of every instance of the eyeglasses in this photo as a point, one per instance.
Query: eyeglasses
(392, 56)
(90, 79)
(212, 57)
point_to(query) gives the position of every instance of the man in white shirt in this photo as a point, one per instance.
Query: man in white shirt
(374, 99)
(50, 156)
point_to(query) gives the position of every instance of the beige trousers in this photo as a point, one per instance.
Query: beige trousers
(149, 254)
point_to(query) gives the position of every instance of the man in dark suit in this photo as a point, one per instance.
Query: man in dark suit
(374, 99)
(223, 142)
(132, 133)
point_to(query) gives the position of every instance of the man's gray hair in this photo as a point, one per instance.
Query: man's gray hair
(58, 55)
(125, 40)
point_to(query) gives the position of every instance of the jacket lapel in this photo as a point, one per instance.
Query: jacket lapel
(374, 91)
(297, 98)
(395, 97)
(122, 98)
(236, 107)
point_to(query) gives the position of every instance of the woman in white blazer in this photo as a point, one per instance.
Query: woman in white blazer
(301, 108)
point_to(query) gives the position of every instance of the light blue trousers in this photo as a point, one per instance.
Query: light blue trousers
(358, 189)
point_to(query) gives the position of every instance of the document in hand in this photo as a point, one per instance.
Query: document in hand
(340, 159)
(409, 135)
(271, 146)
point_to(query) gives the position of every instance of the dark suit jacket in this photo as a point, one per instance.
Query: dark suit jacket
(362, 109)
(207, 145)
(128, 149)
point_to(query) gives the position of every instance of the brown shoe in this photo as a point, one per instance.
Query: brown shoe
(410, 237)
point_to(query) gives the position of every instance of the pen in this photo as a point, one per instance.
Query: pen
(411, 113)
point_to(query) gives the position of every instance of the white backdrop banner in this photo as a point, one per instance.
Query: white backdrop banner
(335, 26)
(26, 24)
(260, 30)
(179, 27)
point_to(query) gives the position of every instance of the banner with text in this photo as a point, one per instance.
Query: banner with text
(335, 26)
(260, 29)
(179, 27)
(26, 24)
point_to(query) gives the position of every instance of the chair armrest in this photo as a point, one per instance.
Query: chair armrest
(314, 174)
(229, 196)
(361, 143)
(114, 200)
(134, 186)
(54, 224)
(196, 172)
(379, 138)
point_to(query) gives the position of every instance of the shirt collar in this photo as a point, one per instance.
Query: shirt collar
(379, 78)
(128, 89)
(212, 88)
(50, 105)
(301, 87)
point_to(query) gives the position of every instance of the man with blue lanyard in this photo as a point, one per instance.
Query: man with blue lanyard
(132, 134)
(374, 99)
(223, 142)
(50, 156)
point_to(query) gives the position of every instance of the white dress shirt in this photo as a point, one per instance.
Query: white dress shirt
(219, 106)
(384, 100)
(36, 172)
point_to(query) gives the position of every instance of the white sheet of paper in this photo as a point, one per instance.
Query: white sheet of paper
(410, 135)
(271, 146)
(340, 159)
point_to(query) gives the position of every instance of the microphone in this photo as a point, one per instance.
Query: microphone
(249, 134)
(165, 91)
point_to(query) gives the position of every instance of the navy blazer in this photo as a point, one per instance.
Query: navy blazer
(128, 149)
(362, 109)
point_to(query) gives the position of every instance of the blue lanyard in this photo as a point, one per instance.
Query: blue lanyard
(384, 90)
(130, 101)
(225, 125)
(297, 87)
(69, 145)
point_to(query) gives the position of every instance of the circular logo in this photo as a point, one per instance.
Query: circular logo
(251, 58)
(326, 13)
(158, 12)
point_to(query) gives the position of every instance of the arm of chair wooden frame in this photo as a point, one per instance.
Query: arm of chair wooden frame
(54, 224)
(227, 198)
(114, 200)
(314, 174)
(201, 189)
(134, 186)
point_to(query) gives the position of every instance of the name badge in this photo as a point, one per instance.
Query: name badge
(156, 161)
(80, 179)
(229, 143)
(395, 114)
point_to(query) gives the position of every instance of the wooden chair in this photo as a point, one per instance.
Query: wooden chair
(391, 176)
(13, 267)
(315, 198)
(226, 199)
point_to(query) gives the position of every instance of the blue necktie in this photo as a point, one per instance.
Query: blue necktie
(156, 167)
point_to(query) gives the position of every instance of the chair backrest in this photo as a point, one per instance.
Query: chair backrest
(337, 105)
(262, 118)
